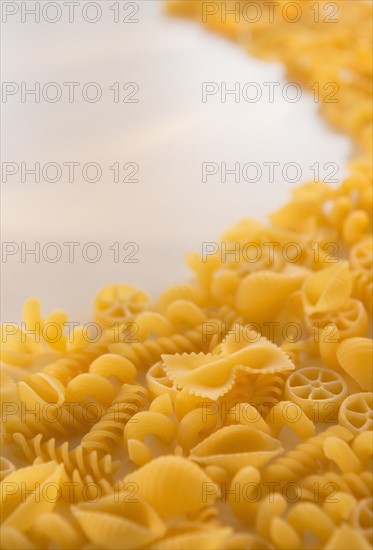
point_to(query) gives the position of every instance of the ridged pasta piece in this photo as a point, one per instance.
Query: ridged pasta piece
(345, 537)
(355, 357)
(158, 383)
(358, 485)
(185, 312)
(206, 538)
(85, 386)
(356, 411)
(236, 446)
(195, 426)
(263, 293)
(268, 509)
(243, 494)
(288, 413)
(326, 296)
(350, 319)
(74, 363)
(121, 520)
(363, 445)
(116, 303)
(362, 518)
(340, 507)
(138, 452)
(284, 536)
(54, 528)
(223, 287)
(328, 289)
(305, 458)
(268, 388)
(343, 455)
(19, 508)
(152, 323)
(181, 292)
(185, 402)
(146, 423)
(108, 430)
(40, 408)
(145, 354)
(356, 226)
(318, 392)
(242, 541)
(361, 259)
(308, 516)
(162, 404)
(203, 268)
(87, 463)
(110, 364)
(50, 329)
(14, 539)
(173, 485)
(247, 415)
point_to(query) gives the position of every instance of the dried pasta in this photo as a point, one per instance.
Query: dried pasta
(234, 412)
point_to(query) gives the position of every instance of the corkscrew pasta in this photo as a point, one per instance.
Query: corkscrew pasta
(234, 411)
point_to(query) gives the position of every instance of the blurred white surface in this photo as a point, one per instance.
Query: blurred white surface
(169, 133)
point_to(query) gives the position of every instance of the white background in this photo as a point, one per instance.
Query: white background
(169, 134)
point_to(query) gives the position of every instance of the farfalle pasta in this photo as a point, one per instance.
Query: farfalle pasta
(234, 411)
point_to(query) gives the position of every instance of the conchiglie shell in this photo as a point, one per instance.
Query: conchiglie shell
(173, 485)
(345, 538)
(263, 292)
(246, 229)
(18, 508)
(119, 520)
(234, 447)
(59, 530)
(295, 216)
(14, 539)
(355, 356)
(327, 289)
(204, 539)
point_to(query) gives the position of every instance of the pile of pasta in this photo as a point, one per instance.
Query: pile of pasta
(235, 411)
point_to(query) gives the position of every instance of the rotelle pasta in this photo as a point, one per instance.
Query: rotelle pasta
(188, 424)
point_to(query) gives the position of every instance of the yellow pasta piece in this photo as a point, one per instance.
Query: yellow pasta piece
(356, 412)
(234, 447)
(121, 520)
(174, 485)
(327, 289)
(355, 357)
(212, 375)
(318, 392)
(117, 303)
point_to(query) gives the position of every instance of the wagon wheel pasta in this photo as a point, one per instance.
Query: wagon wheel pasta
(318, 392)
(118, 303)
(356, 412)
(233, 411)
